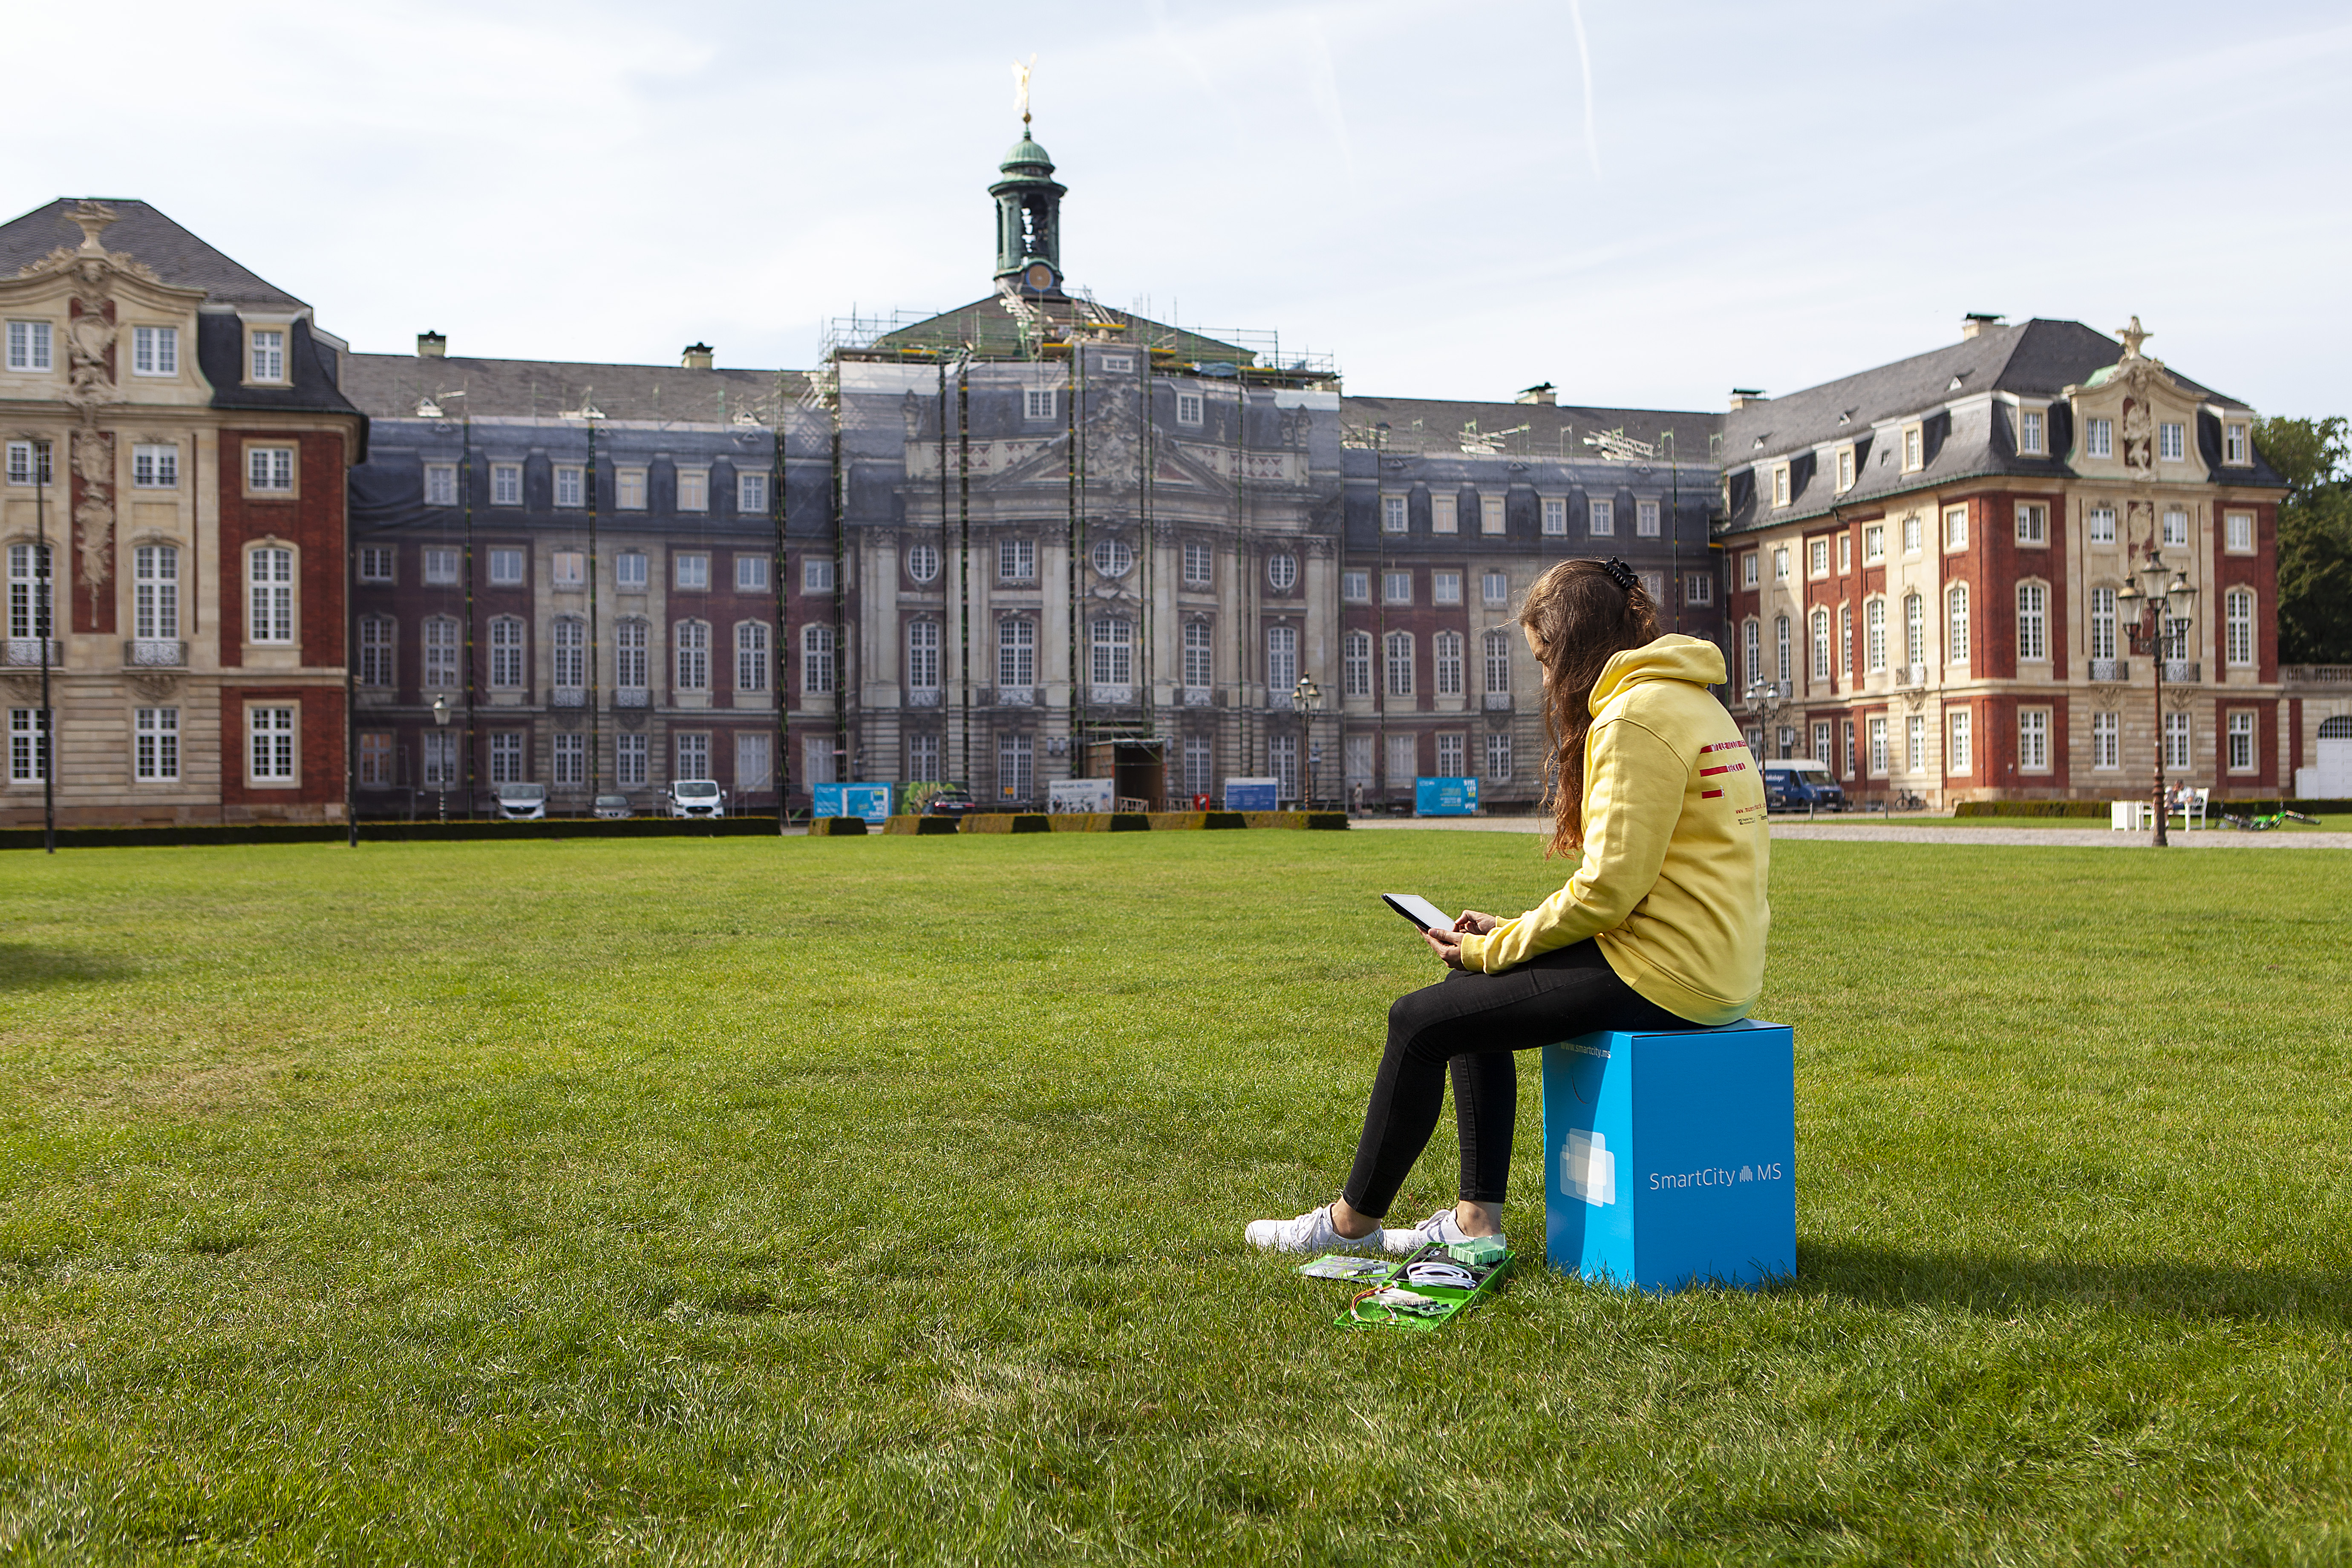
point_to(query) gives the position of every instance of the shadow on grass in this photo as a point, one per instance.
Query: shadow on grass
(1885, 1277)
(23, 967)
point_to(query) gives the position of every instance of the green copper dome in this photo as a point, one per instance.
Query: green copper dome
(1027, 154)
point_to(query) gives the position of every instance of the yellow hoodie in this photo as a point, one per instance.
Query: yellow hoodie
(1676, 848)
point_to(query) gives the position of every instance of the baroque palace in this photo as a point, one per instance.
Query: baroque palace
(264, 577)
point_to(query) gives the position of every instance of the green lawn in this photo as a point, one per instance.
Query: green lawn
(879, 1201)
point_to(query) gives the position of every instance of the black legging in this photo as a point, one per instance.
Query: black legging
(1474, 1023)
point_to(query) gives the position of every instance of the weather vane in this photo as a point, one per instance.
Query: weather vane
(1021, 87)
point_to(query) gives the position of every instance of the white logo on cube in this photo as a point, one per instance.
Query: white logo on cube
(1588, 1170)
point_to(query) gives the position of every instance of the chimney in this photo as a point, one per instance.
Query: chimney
(1540, 392)
(695, 357)
(1741, 396)
(1975, 322)
(431, 345)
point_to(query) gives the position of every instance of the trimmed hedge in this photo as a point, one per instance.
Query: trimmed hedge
(384, 832)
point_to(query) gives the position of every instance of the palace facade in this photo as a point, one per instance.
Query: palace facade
(290, 580)
(172, 515)
(1927, 564)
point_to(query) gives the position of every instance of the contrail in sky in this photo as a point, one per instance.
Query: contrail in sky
(1584, 59)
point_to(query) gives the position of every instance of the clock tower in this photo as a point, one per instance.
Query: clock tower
(1028, 219)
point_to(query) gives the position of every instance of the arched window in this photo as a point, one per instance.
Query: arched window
(629, 662)
(2032, 623)
(923, 563)
(442, 645)
(1016, 652)
(1915, 630)
(1113, 642)
(1281, 662)
(1753, 650)
(2337, 729)
(1400, 664)
(156, 577)
(1783, 667)
(923, 656)
(568, 638)
(2238, 627)
(1874, 635)
(1199, 663)
(1282, 571)
(817, 660)
(269, 577)
(1112, 557)
(1498, 663)
(690, 652)
(1956, 624)
(751, 656)
(506, 652)
(1355, 665)
(1446, 664)
(1821, 645)
(375, 647)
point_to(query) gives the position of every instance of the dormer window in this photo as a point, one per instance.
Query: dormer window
(1037, 403)
(2098, 437)
(266, 354)
(2234, 444)
(2172, 443)
(1845, 469)
(1779, 484)
(1915, 448)
(2029, 431)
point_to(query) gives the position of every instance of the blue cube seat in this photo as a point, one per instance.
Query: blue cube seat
(1670, 1159)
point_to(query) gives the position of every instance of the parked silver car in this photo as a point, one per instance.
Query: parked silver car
(522, 803)
(613, 808)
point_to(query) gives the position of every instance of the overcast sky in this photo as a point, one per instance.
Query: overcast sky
(1646, 203)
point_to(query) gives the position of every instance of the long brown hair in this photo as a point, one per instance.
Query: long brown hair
(1579, 618)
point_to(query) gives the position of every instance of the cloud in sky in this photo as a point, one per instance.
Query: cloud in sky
(1789, 193)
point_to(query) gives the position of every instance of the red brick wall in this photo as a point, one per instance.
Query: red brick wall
(319, 734)
(313, 521)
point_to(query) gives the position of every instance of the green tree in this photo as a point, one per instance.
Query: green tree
(2314, 538)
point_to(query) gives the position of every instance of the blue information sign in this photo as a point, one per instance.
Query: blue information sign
(870, 801)
(1445, 797)
(1253, 795)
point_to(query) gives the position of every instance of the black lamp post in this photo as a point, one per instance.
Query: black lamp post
(2154, 612)
(1306, 700)
(1764, 699)
(441, 720)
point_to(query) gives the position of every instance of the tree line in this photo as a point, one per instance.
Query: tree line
(2314, 538)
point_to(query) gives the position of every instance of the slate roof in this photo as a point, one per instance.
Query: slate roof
(993, 333)
(388, 386)
(2037, 358)
(144, 235)
(1433, 427)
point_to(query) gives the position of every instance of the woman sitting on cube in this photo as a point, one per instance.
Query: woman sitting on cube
(1660, 927)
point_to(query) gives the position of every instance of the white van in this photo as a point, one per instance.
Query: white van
(522, 803)
(697, 798)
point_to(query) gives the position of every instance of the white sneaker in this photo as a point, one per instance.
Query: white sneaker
(1311, 1232)
(1441, 1227)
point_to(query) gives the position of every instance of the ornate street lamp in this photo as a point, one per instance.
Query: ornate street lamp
(1306, 700)
(441, 719)
(2155, 614)
(1763, 699)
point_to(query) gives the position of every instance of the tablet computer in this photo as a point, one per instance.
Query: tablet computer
(1424, 915)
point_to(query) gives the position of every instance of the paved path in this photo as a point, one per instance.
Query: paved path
(1905, 833)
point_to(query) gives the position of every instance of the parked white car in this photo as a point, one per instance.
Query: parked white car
(522, 803)
(697, 798)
